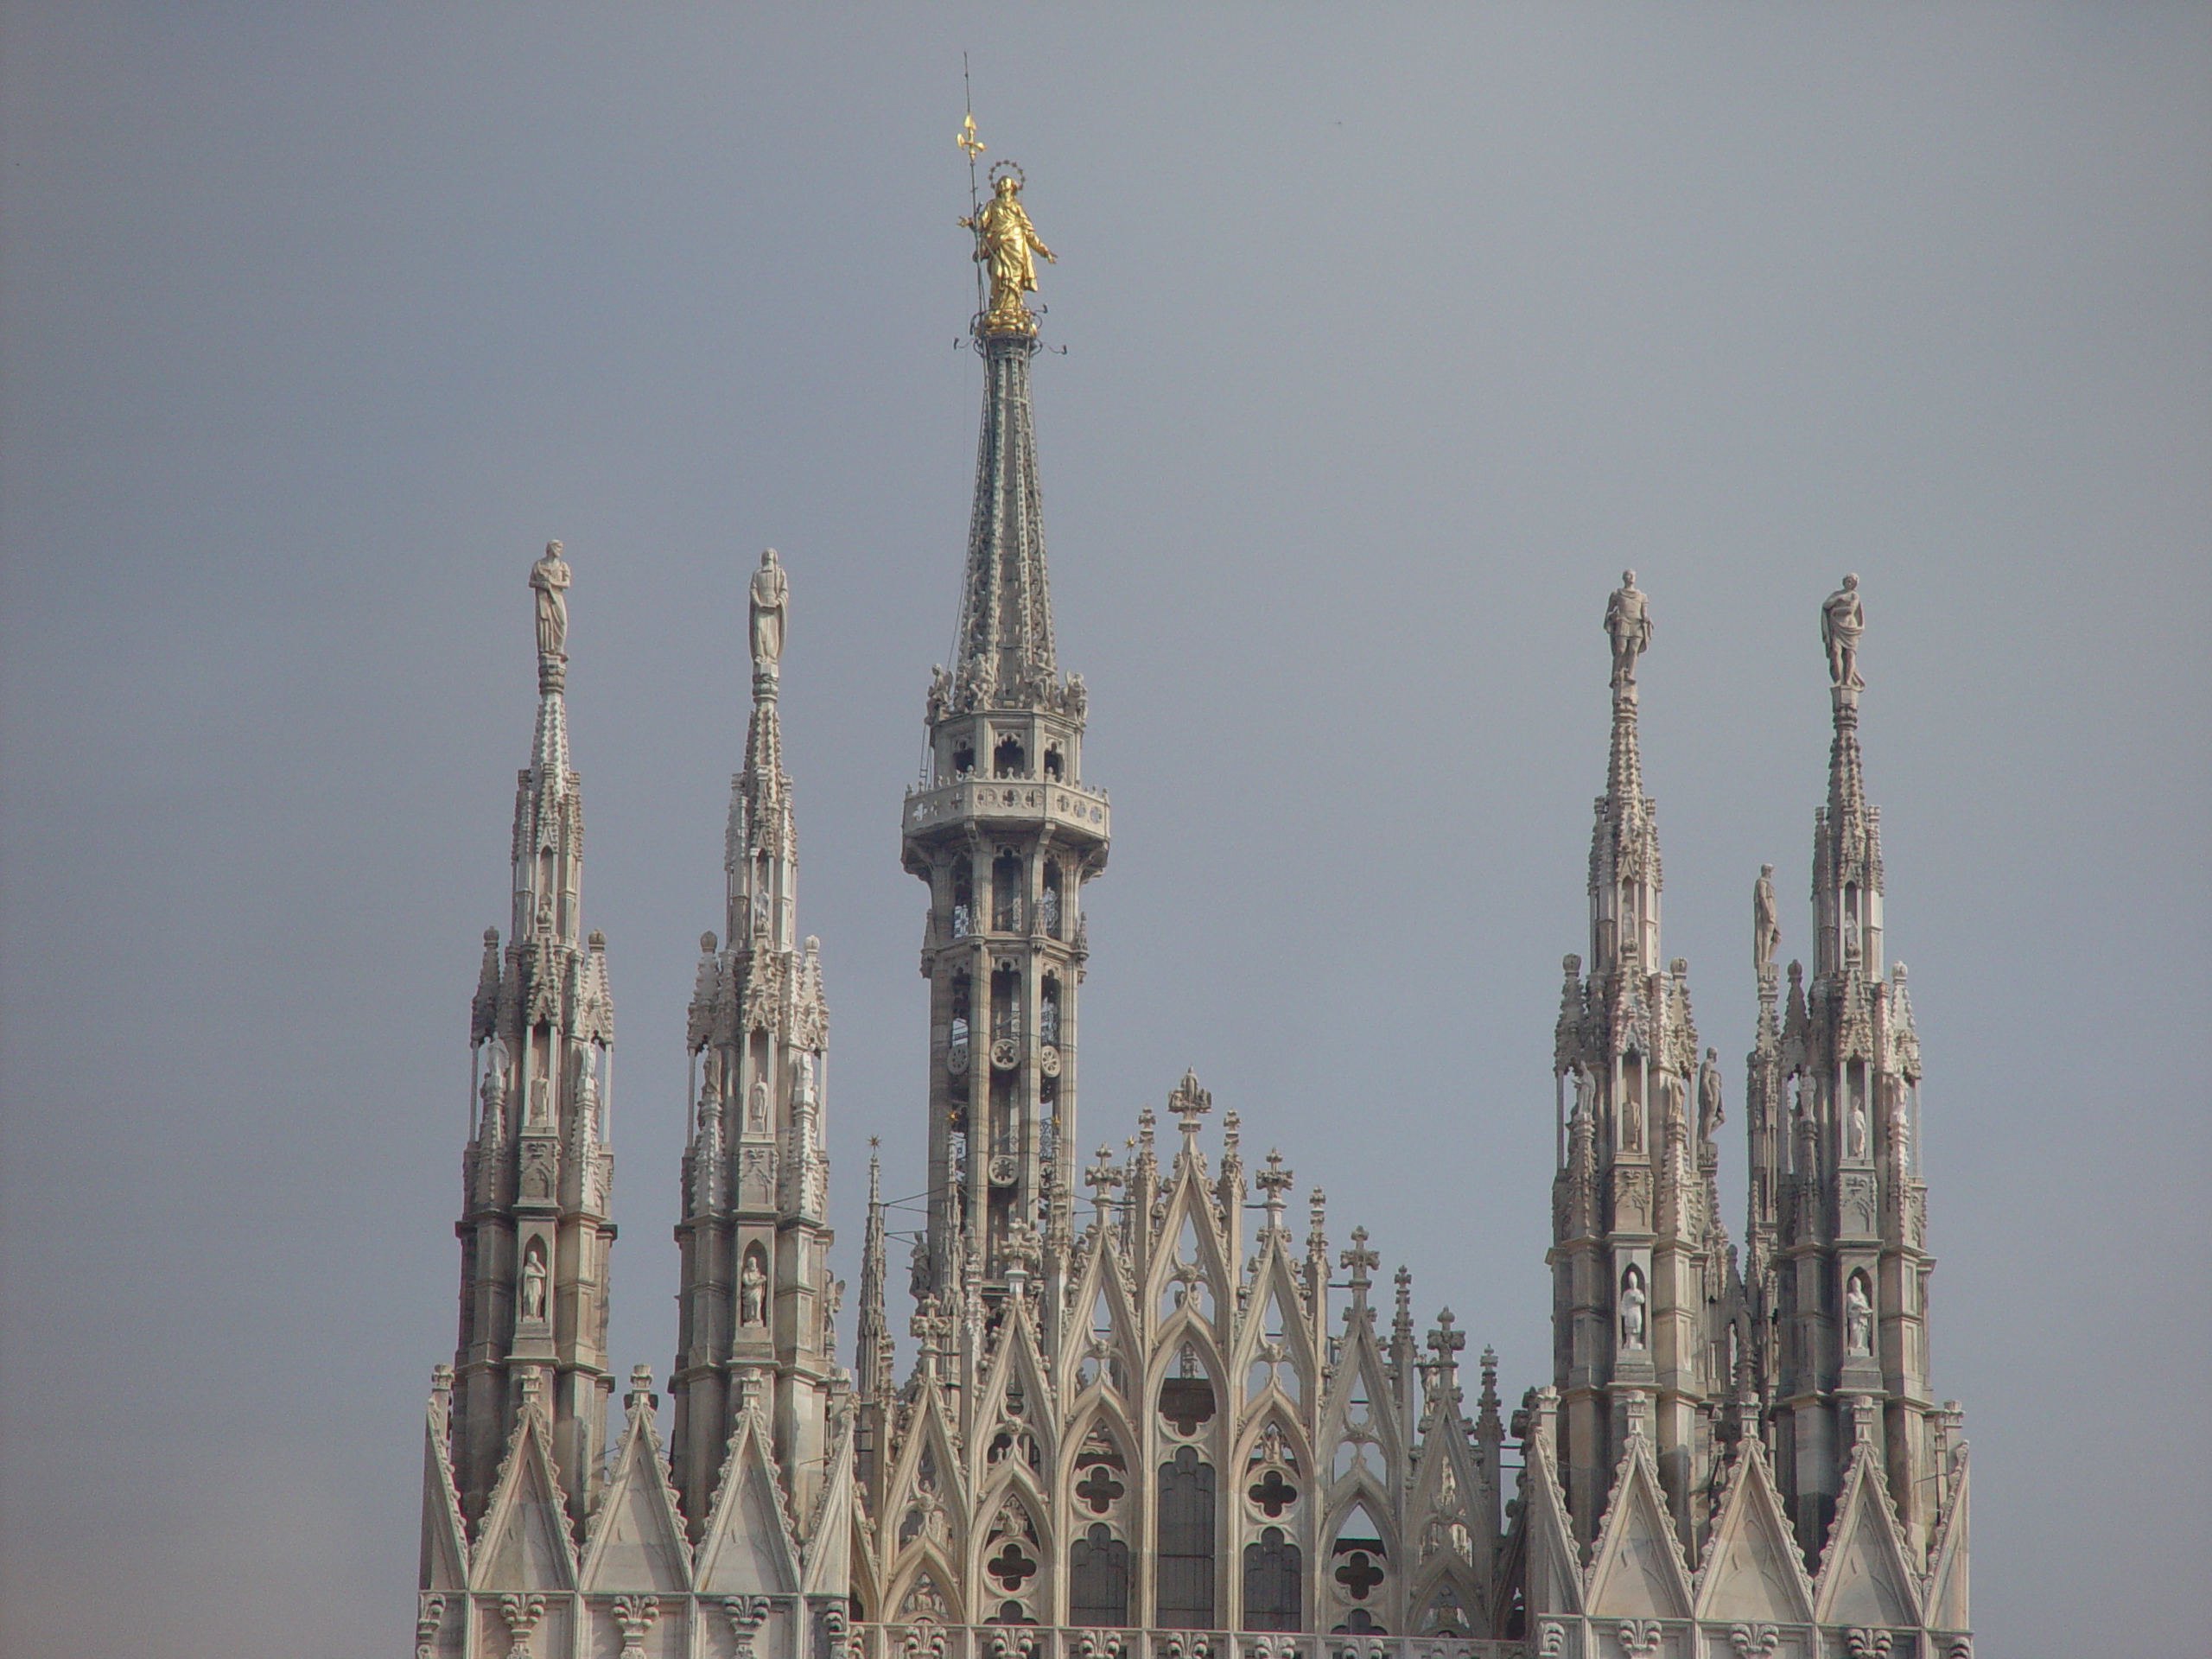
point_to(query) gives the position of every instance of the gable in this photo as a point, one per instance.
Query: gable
(748, 1547)
(525, 1543)
(1864, 1577)
(1752, 1571)
(1638, 1568)
(636, 1541)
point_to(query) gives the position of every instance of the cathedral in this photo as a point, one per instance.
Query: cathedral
(1155, 1412)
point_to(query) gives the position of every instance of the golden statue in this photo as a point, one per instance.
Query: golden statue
(1004, 240)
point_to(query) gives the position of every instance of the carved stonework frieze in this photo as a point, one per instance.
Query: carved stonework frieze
(756, 1177)
(540, 1163)
(1856, 1207)
(1632, 1200)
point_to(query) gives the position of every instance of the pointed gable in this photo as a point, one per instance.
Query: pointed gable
(1552, 1565)
(825, 1561)
(748, 1547)
(1866, 1579)
(525, 1543)
(1752, 1570)
(636, 1541)
(445, 1549)
(1947, 1591)
(1104, 1341)
(1637, 1568)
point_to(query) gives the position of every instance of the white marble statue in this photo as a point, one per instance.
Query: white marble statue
(769, 595)
(1843, 619)
(533, 1281)
(753, 1293)
(1628, 620)
(1766, 930)
(1710, 1116)
(549, 578)
(1632, 1301)
(1858, 1319)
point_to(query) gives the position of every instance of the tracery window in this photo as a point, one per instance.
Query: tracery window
(1098, 1580)
(1271, 1578)
(1186, 1535)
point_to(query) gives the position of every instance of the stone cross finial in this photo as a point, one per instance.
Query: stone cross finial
(1275, 1180)
(1190, 1103)
(1145, 1123)
(1361, 1260)
(1447, 1344)
(930, 1328)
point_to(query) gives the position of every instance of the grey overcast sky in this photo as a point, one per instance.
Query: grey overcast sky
(1393, 334)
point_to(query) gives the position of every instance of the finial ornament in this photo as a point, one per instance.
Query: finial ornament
(1628, 620)
(770, 593)
(1843, 619)
(549, 578)
(1005, 240)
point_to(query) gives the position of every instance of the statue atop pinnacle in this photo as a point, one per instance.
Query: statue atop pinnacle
(1005, 240)
(1628, 620)
(549, 577)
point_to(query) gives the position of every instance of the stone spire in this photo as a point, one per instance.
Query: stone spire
(874, 1356)
(1004, 834)
(1844, 1281)
(757, 1300)
(1637, 1255)
(535, 1232)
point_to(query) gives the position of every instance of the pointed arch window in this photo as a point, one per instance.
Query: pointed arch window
(1271, 1578)
(1187, 1536)
(1098, 1580)
(1006, 893)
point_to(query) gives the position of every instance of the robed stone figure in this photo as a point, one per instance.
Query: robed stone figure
(549, 578)
(1766, 930)
(769, 593)
(1843, 619)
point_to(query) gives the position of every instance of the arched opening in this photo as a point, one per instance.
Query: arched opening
(963, 758)
(963, 902)
(1102, 1473)
(1048, 1009)
(1186, 1534)
(1357, 1567)
(1187, 1400)
(1048, 902)
(1054, 766)
(1010, 1562)
(1271, 1578)
(1010, 759)
(1006, 893)
(1098, 1580)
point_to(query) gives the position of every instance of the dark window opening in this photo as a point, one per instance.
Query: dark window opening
(1271, 1583)
(1010, 759)
(1048, 902)
(1052, 764)
(964, 760)
(1187, 1402)
(1098, 1580)
(1006, 893)
(1186, 1527)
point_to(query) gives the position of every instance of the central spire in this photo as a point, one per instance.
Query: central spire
(1005, 833)
(1003, 646)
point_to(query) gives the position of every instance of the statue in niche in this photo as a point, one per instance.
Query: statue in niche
(1858, 1319)
(1900, 1127)
(752, 1291)
(549, 578)
(1628, 620)
(1766, 930)
(756, 1115)
(1859, 1129)
(959, 921)
(1048, 911)
(769, 595)
(533, 1281)
(1709, 1113)
(1632, 1126)
(806, 1097)
(1843, 619)
(759, 912)
(1005, 240)
(1632, 1303)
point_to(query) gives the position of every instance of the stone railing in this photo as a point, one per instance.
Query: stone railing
(926, 1639)
(1014, 799)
